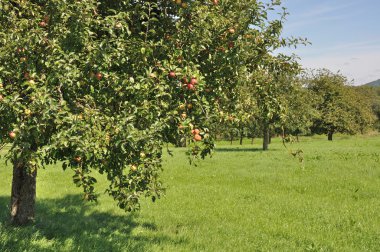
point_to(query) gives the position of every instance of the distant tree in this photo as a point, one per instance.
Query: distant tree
(300, 109)
(340, 108)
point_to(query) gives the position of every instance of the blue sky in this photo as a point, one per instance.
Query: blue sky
(345, 35)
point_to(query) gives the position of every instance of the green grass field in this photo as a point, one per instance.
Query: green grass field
(242, 199)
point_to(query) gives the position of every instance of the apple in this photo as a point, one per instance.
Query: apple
(133, 168)
(23, 59)
(98, 76)
(183, 116)
(118, 25)
(172, 74)
(142, 155)
(77, 159)
(26, 75)
(190, 86)
(42, 24)
(180, 126)
(182, 107)
(184, 5)
(189, 106)
(193, 81)
(195, 132)
(215, 2)
(197, 137)
(231, 30)
(184, 80)
(179, 2)
(27, 112)
(222, 49)
(12, 135)
(231, 45)
(1, 98)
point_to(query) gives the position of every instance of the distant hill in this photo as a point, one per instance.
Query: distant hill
(373, 84)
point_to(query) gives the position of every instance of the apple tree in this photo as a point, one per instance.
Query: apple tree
(101, 85)
(341, 108)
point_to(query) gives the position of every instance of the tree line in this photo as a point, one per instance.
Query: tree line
(313, 102)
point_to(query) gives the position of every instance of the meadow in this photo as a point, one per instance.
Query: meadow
(242, 199)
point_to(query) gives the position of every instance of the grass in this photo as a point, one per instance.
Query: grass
(242, 199)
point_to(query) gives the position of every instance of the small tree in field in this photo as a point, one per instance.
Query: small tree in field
(102, 85)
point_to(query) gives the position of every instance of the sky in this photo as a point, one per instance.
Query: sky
(345, 36)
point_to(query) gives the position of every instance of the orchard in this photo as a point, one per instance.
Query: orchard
(102, 85)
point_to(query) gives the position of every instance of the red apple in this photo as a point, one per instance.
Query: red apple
(197, 137)
(1, 97)
(193, 81)
(190, 86)
(12, 135)
(172, 74)
(42, 24)
(77, 159)
(215, 2)
(195, 132)
(98, 76)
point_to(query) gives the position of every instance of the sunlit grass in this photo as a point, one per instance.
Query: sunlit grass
(242, 199)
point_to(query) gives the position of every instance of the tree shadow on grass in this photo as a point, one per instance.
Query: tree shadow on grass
(238, 149)
(67, 224)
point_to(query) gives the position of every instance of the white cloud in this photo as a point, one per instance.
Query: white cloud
(363, 69)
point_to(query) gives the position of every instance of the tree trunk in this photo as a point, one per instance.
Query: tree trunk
(241, 139)
(23, 195)
(232, 138)
(252, 140)
(297, 139)
(266, 137)
(330, 136)
(270, 138)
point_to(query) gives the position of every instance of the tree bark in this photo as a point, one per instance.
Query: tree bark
(241, 139)
(232, 138)
(23, 196)
(266, 137)
(330, 136)
(253, 138)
